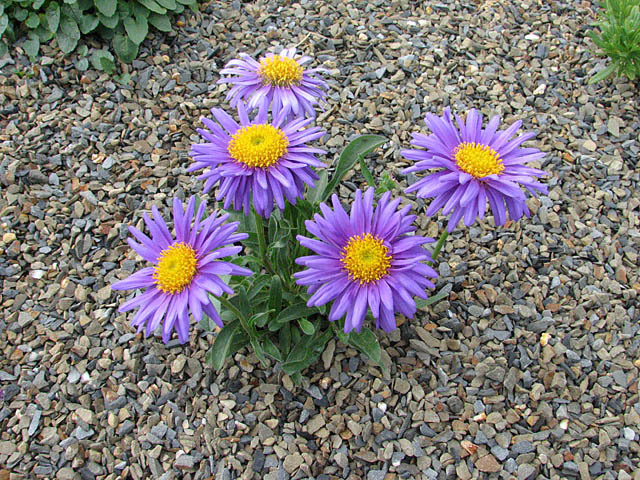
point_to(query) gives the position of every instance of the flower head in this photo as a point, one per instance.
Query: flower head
(475, 165)
(266, 161)
(186, 269)
(368, 259)
(281, 80)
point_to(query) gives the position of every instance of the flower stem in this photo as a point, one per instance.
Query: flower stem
(262, 243)
(230, 306)
(441, 240)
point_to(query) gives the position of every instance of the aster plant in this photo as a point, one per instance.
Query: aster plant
(186, 272)
(311, 270)
(282, 80)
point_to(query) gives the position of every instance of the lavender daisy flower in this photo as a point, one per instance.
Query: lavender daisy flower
(476, 165)
(366, 259)
(280, 79)
(185, 269)
(269, 161)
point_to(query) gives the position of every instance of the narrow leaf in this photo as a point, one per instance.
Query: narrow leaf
(356, 149)
(421, 303)
(221, 347)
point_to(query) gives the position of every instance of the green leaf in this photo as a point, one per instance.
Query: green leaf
(275, 294)
(221, 347)
(68, 35)
(85, 5)
(306, 326)
(356, 149)
(187, 2)
(106, 7)
(139, 10)
(153, 6)
(168, 4)
(126, 50)
(421, 303)
(284, 338)
(103, 60)
(270, 349)
(293, 312)
(32, 46)
(88, 23)
(136, 28)
(82, 64)
(32, 21)
(20, 14)
(367, 342)
(37, 4)
(602, 74)
(321, 185)
(366, 173)
(260, 319)
(258, 284)
(3, 49)
(82, 50)
(4, 23)
(109, 22)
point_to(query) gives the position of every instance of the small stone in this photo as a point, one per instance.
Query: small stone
(292, 462)
(315, 424)
(185, 462)
(499, 452)
(526, 471)
(590, 145)
(66, 473)
(487, 464)
(402, 386)
(523, 447)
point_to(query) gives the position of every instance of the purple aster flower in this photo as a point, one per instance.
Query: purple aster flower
(368, 259)
(280, 79)
(475, 165)
(269, 161)
(185, 269)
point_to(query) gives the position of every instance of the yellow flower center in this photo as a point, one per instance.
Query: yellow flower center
(176, 268)
(478, 160)
(366, 258)
(280, 71)
(258, 145)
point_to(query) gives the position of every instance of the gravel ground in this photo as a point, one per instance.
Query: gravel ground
(528, 370)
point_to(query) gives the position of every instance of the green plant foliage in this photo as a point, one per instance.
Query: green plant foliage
(269, 310)
(619, 39)
(124, 23)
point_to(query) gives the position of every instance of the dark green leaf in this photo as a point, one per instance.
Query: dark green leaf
(293, 312)
(366, 173)
(187, 2)
(106, 7)
(32, 21)
(275, 294)
(82, 64)
(356, 149)
(82, 50)
(3, 49)
(84, 5)
(43, 33)
(367, 342)
(259, 283)
(284, 338)
(260, 319)
(318, 190)
(306, 326)
(257, 348)
(168, 4)
(136, 28)
(20, 14)
(602, 74)
(103, 60)
(4, 23)
(109, 22)
(421, 303)
(271, 350)
(221, 347)
(68, 35)
(32, 46)
(161, 22)
(153, 6)
(88, 23)
(125, 48)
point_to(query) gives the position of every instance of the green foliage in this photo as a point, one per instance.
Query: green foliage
(619, 39)
(269, 310)
(125, 23)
